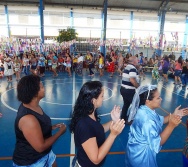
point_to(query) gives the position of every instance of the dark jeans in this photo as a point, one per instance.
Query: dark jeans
(127, 95)
(184, 78)
(90, 69)
(26, 69)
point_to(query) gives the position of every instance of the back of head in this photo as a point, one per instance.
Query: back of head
(102, 54)
(28, 88)
(133, 59)
(147, 95)
(89, 90)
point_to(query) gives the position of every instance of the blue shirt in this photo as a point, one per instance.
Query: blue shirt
(144, 138)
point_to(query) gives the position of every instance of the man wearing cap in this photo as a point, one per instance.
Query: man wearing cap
(129, 84)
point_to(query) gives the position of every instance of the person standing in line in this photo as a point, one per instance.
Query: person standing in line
(33, 127)
(146, 135)
(89, 134)
(130, 81)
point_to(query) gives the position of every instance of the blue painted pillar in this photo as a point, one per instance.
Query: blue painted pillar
(7, 20)
(161, 31)
(41, 8)
(184, 46)
(131, 30)
(103, 30)
(71, 18)
(71, 25)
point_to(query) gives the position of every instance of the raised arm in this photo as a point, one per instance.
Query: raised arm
(31, 129)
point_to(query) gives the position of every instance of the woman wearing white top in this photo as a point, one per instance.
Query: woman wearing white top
(26, 65)
(80, 64)
(17, 67)
(8, 68)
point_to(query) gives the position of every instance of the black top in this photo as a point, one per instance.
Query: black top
(87, 128)
(185, 70)
(24, 153)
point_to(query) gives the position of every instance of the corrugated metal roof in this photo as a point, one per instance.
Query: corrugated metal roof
(148, 5)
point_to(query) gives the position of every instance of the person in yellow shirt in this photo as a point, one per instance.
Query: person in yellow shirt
(75, 62)
(101, 63)
(87, 59)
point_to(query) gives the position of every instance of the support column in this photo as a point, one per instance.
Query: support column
(41, 8)
(131, 30)
(71, 25)
(161, 31)
(71, 18)
(184, 45)
(103, 30)
(7, 20)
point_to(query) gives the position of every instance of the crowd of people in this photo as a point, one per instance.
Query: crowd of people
(162, 67)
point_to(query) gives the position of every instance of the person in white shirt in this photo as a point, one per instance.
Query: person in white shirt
(26, 65)
(8, 68)
(80, 64)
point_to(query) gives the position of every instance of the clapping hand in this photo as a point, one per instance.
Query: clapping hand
(115, 113)
(174, 120)
(116, 128)
(181, 112)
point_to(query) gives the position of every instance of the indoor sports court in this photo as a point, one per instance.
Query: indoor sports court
(60, 95)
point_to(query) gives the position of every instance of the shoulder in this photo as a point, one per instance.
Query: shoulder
(86, 124)
(83, 122)
(29, 121)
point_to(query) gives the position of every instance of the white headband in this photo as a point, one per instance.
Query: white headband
(136, 100)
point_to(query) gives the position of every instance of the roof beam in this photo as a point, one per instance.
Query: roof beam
(11, 2)
(162, 7)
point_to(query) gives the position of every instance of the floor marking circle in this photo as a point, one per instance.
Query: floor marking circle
(6, 105)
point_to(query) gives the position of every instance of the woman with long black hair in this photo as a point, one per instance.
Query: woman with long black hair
(89, 134)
